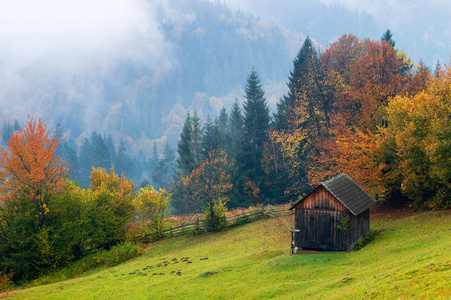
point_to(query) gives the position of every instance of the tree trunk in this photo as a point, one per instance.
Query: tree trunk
(213, 227)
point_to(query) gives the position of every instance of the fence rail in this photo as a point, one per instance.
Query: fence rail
(200, 226)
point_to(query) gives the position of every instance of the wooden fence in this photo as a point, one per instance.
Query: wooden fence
(246, 217)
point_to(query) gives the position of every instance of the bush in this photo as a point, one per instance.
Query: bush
(219, 211)
(5, 282)
(150, 207)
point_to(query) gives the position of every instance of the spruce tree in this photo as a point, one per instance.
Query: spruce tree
(210, 141)
(185, 161)
(154, 158)
(85, 163)
(235, 131)
(196, 139)
(301, 68)
(124, 162)
(256, 122)
(100, 153)
(387, 36)
(221, 126)
(169, 159)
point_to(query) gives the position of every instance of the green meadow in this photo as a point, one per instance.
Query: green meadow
(409, 258)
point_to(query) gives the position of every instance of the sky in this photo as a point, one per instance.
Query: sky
(71, 36)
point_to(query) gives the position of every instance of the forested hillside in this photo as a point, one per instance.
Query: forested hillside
(360, 107)
(209, 51)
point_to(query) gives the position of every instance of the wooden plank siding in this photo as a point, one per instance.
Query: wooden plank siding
(324, 223)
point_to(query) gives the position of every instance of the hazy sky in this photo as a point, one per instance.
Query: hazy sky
(73, 35)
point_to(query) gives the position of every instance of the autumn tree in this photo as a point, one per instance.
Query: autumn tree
(150, 208)
(29, 166)
(417, 141)
(208, 185)
(110, 207)
(41, 227)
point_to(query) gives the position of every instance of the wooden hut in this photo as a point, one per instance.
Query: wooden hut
(334, 216)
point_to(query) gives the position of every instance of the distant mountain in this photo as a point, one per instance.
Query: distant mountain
(210, 50)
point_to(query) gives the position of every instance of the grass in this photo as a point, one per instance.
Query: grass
(409, 258)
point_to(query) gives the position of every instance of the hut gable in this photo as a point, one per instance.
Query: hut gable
(345, 190)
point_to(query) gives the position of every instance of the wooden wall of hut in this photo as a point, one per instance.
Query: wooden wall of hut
(324, 223)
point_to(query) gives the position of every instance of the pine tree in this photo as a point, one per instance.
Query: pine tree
(256, 122)
(154, 158)
(301, 68)
(196, 139)
(387, 36)
(100, 153)
(221, 126)
(210, 138)
(235, 153)
(85, 163)
(185, 161)
(124, 162)
(169, 159)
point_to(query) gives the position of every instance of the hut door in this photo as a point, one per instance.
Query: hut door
(324, 227)
(316, 230)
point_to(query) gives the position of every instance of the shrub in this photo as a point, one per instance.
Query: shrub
(219, 211)
(5, 282)
(150, 207)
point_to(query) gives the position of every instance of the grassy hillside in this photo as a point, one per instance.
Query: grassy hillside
(410, 258)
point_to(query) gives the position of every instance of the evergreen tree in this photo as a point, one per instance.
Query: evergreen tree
(169, 159)
(154, 158)
(100, 154)
(67, 152)
(301, 68)
(256, 122)
(17, 126)
(210, 138)
(387, 36)
(438, 69)
(85, 163)
(185, 162)
(111, 148)
(124, 162)
(235, 131)
(196, 139)
(158, 180)
(221, 126)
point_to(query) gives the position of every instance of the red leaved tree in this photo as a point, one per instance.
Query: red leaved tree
(29, 167)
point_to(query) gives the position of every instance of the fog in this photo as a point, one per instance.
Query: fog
(60, 42)
(70, 36)
(421, 28)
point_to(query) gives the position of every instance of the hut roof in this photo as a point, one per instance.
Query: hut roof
(349, 193)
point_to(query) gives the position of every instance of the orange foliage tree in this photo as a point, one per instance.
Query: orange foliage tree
(29, 166)
(208, 185)
(334, 120)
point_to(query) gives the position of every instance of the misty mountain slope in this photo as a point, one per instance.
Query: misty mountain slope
(187, 54)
